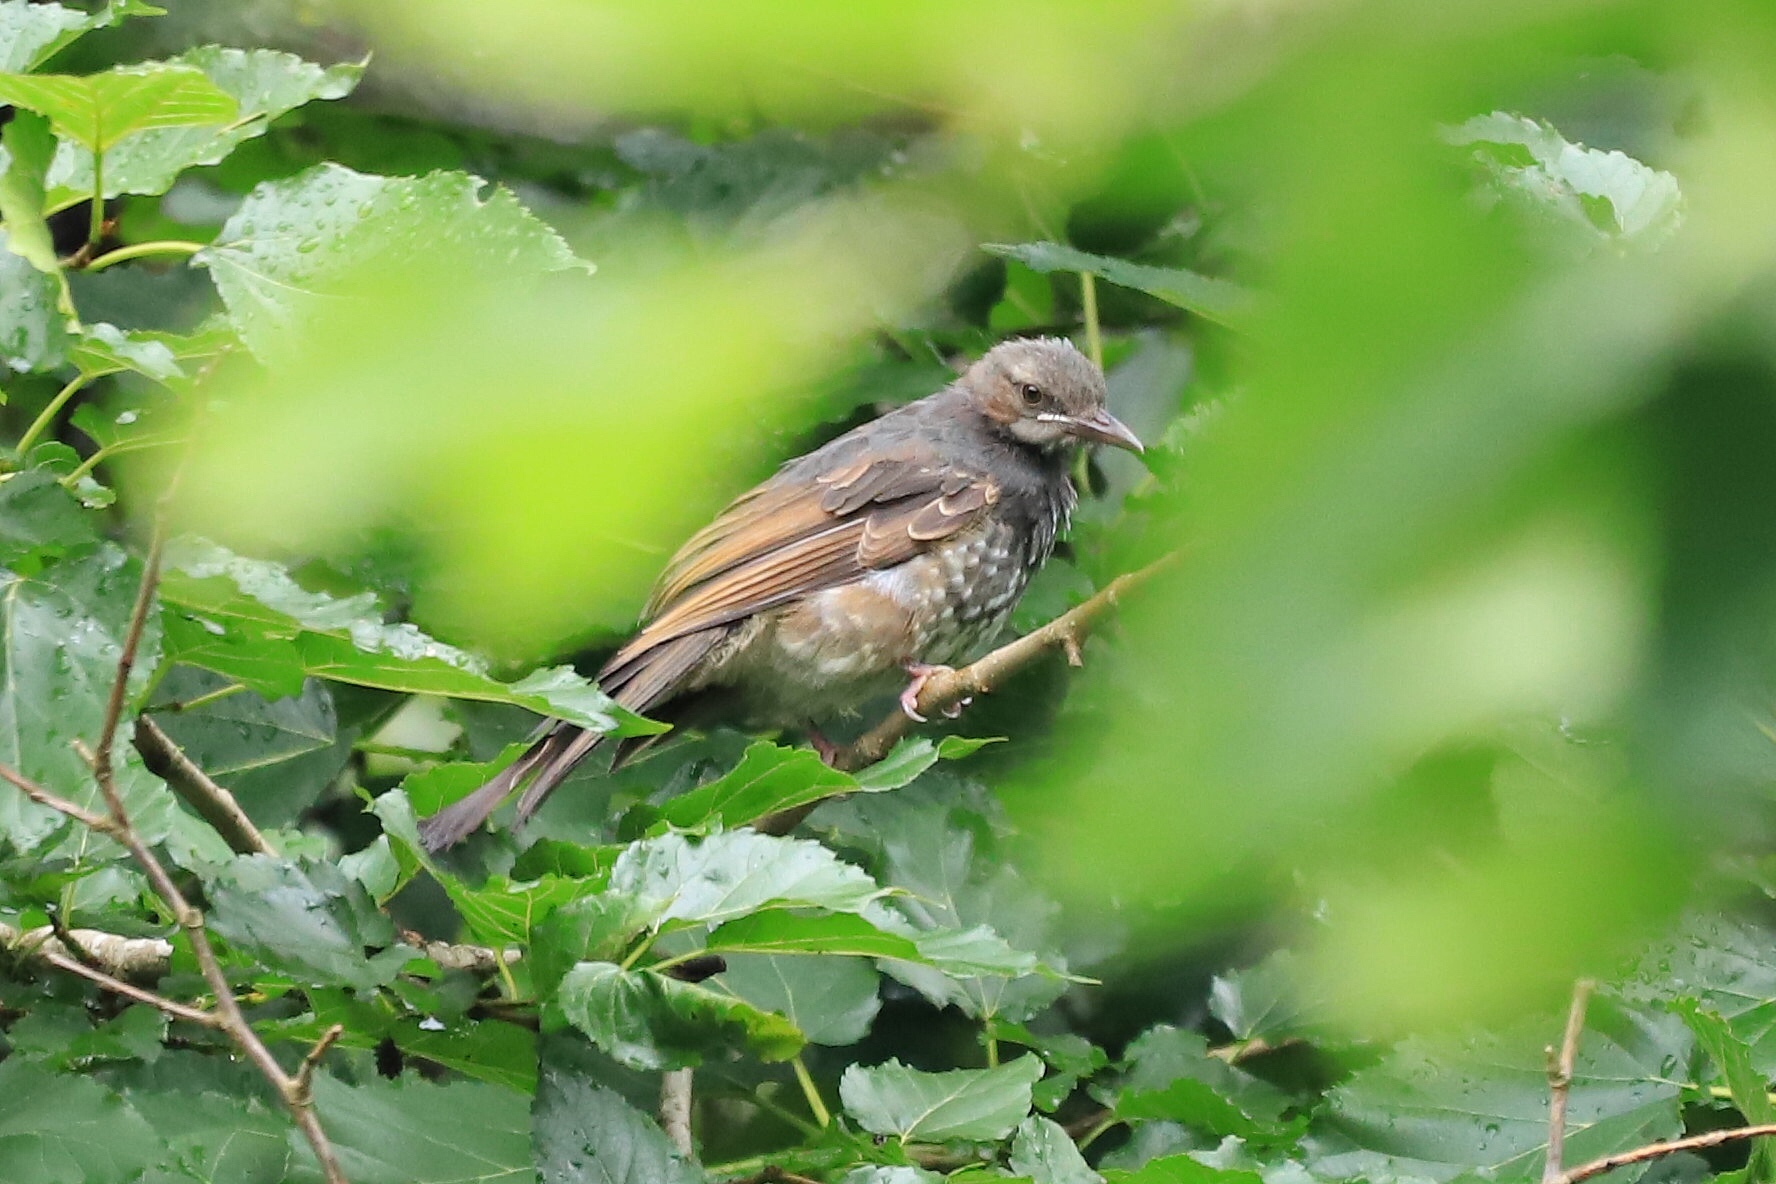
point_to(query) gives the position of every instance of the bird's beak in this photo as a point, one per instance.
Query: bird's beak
(1100, 427)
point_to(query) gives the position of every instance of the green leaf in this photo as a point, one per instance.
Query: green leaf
(29, 145)
(250, 620)
(262, 83)
(33, 331)
(830, 1000)
(1171, 1076)
(582, 1131)
(64, 629)
(728, 875)
(1258, 1003)
(913, 756)
(769, 777)
(1749, 1090)
(98, 110)
(1043, 1151)
(1214, 299)
(298, 244)
(1441, 1109)
(1726, 965)
(32, 33)
(306, 919)
(494, 1051)
(414, 1132)
(501, 912)
(1070, 1058)
(105, 349)
(650, 1021)
(591, 929)
(961, 953)
(1182, 1169)
(213, 1118)
(40, 520)
(56, 1128)
(275, 755)
(973, 1104)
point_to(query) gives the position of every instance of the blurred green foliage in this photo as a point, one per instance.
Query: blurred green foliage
(429, 331)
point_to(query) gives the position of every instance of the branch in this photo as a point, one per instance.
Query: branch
(227, 1015)
(215, 805)
(675, 1109)
(1560, 1078)
(142, 959)
(168, 1007)
(945, 689)
(305, 1072)
(1659, 1150)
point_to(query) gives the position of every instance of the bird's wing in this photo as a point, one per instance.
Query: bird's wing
(802, 532)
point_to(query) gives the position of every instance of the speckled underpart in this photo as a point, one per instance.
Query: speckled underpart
(838, 648)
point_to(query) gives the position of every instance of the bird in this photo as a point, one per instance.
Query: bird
(873, 562)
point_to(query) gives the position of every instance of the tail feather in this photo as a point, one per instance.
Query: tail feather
(638, 685)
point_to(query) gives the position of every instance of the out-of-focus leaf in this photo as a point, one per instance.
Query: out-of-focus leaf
(831, 1000)
(976, 1104)
(729, 875)
(307, 919)
(646, 1020)
(296, 243)
(1217, 299)
(250, 620)
(58, 1127)
(1171, 1076)
(1441, 1110)
(1043, 1151)
(39, 519)
(99, 110)
(33, 331)
(582, 1131)
(262, 83)
(1573, 182)
(403, 1132)
(29, 144)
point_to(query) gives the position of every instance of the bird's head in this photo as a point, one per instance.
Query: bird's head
(1044, 393)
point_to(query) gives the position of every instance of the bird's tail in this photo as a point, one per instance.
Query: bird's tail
(557, 747)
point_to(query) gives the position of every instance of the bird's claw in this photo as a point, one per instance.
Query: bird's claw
(909, 698)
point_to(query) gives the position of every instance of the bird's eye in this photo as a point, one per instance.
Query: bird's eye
(1031, 394)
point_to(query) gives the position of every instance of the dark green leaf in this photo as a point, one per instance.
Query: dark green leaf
(1727, 966)
(1439, 1110)
(33, 329)
(1216, 299)
(1043, 1151)
(296, 244)
(650, 1021)
(1257, 1003)
(1171, 1076)
(39, 519)
(585, 1132)
(830, 1000)
(57, 1128)
(591, 929)
(413, 1132)
(487, 1050)
(306, 919)
(769, 777)
(972, 1104)
(1749, 1090)
(1182, 1169)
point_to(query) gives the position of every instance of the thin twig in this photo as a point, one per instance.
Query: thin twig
(304, 1085)
(1560, 1078)
(166, 760)
(1622, 1159)
(61, 805)
(117, 986)
(675, 1109)
(126, 662)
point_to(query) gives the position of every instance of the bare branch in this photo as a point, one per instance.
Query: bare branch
(214, 804)
(142, 959)
(1560, 1078)
(675, 1109)
(1659, 1150)
(302, 1086)
(126, 662)
(117, 986)
(43, 797)
(945, 689)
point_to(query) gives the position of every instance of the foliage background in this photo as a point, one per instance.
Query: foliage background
(1450, 326)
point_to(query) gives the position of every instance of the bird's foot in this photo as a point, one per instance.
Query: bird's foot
(920, 673)
(825, 749)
